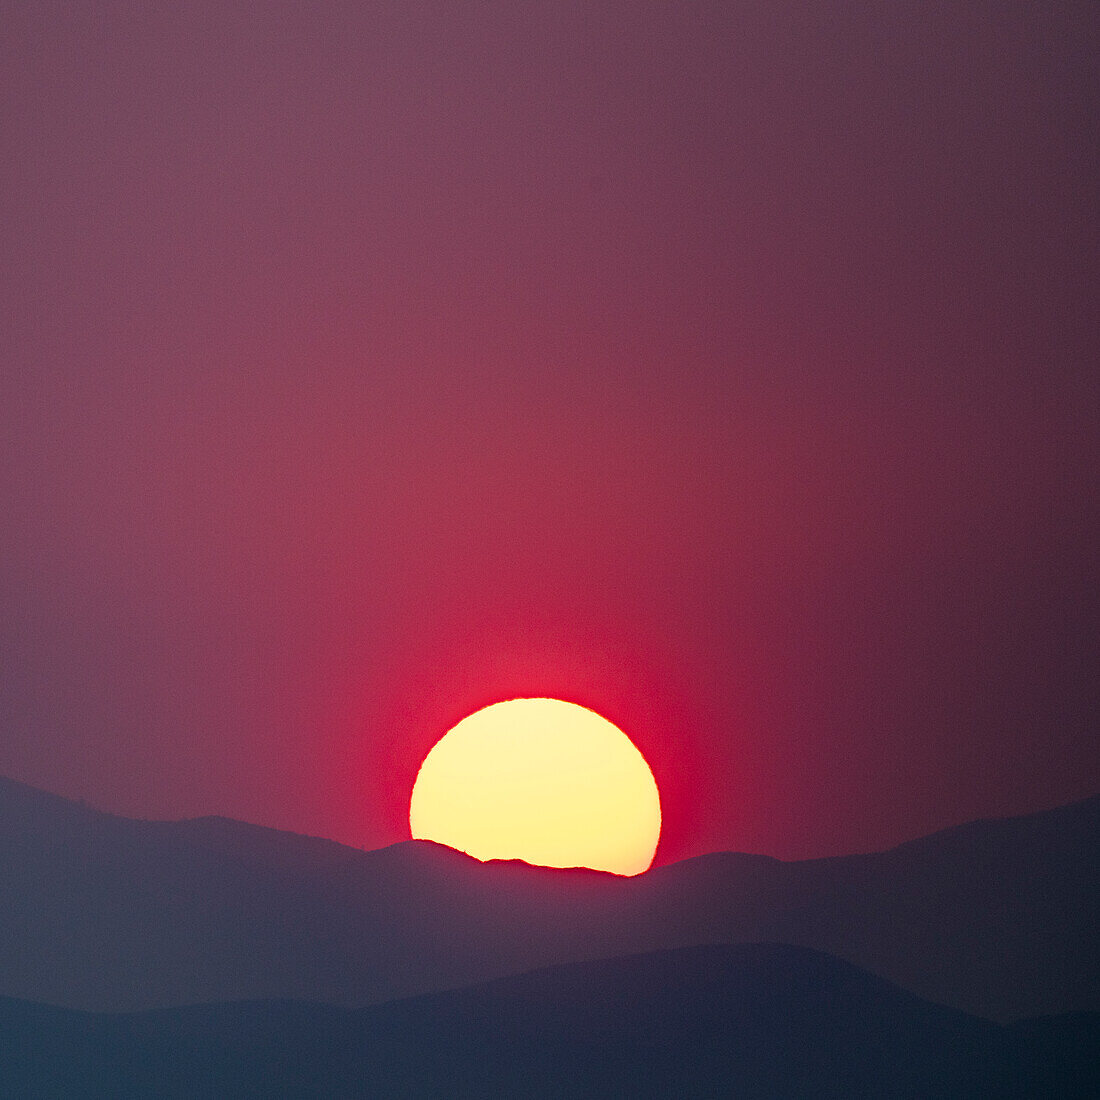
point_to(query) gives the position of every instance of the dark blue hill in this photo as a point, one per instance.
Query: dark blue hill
(750, 1021)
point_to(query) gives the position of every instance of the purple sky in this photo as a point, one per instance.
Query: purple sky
(729, 368)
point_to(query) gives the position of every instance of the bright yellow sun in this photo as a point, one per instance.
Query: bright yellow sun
(541, 780)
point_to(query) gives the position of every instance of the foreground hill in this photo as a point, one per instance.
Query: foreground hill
(754, 1021)
(106, 913)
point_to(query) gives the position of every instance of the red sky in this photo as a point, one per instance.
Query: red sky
(728, 368)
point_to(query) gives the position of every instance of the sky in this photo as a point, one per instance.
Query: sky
(728, 368)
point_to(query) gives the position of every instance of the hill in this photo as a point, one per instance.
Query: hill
(106, 913)
(756, 1021)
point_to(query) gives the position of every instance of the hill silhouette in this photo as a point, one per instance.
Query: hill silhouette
(751, 1020)
(107, 913)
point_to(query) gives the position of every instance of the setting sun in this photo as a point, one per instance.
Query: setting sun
(540, 780)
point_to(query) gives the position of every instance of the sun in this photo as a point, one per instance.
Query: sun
(541, 780)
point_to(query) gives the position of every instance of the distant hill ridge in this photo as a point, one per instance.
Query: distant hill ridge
(108, 913)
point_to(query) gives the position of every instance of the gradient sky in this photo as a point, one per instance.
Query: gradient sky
(729, 368)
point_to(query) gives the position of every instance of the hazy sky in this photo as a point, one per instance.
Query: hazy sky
(730, 368)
